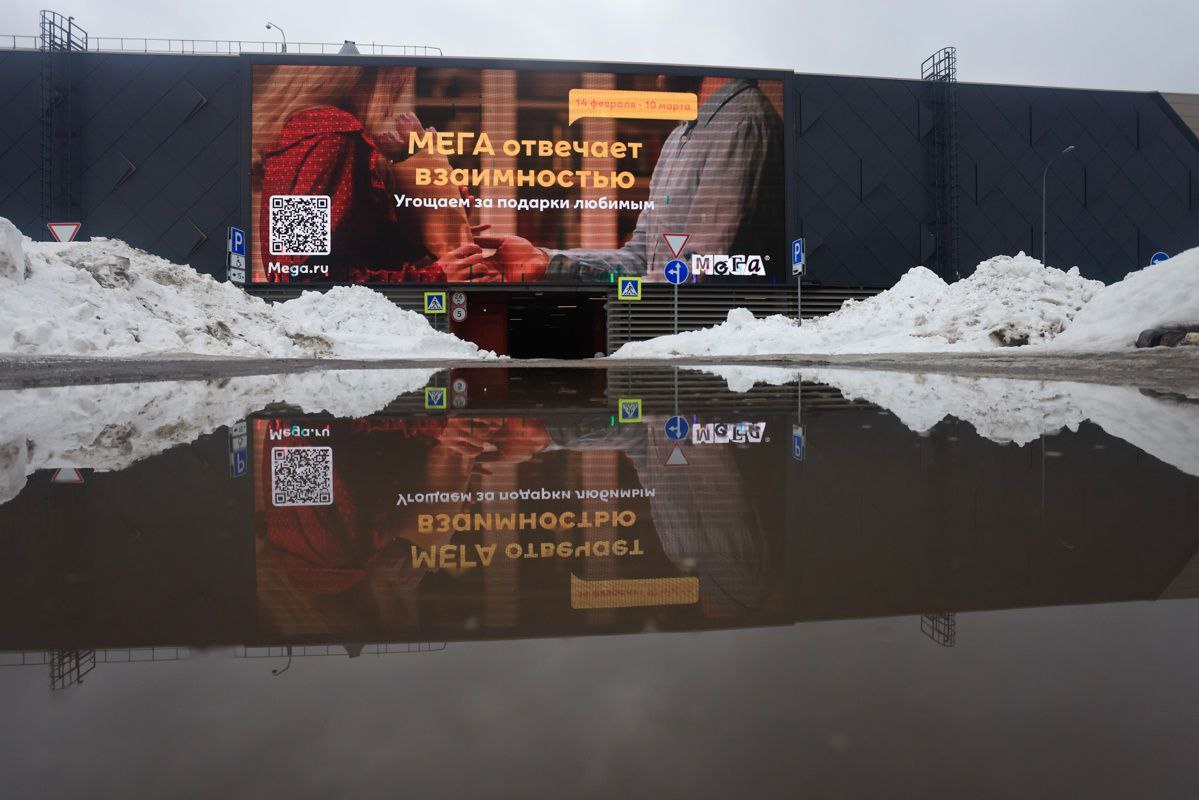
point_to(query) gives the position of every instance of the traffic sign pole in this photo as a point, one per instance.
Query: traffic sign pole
(676, 272)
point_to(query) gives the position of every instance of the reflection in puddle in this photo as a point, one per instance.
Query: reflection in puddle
(314, 519)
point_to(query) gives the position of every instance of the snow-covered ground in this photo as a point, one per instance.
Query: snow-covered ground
(112, 426)
(1007, 301)
(106, 298)
(1005, 410)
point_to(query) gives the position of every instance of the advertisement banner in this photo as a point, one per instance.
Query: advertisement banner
(398, 174)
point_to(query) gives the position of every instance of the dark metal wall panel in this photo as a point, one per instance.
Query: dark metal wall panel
(1130, 188)
(160, 150)
(20, 99)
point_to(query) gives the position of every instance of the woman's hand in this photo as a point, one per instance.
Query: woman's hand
(468, 264)
(395, 143)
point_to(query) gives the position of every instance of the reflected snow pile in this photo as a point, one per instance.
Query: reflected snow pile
(1005, 302)
(741, 379)
(112, 426)
(1005, 410)
(105, 297)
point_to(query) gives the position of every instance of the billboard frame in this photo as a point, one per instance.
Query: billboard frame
(245, 212)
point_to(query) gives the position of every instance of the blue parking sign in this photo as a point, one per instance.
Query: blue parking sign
(237, 241)
(798, 257)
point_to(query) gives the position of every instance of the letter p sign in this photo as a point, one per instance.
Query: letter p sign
(237, 241)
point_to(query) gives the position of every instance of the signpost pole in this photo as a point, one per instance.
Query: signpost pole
(676, 308)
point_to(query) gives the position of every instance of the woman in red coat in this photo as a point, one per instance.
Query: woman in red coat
(335, 131)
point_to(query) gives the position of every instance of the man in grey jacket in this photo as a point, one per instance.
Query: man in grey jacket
(719, 178)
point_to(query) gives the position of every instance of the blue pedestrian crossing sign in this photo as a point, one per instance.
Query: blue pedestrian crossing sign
(434, 302)
(1158, 258)
(435, 398)
(798, 257)
(630, 409)
(628, 288)
(677, 428)
(677, 271)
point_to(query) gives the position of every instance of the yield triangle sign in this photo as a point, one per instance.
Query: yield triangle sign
(63, 231)
(676, 242)
(66, 475)
(676, 457)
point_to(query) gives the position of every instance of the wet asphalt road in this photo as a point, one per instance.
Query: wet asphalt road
(1160, 369)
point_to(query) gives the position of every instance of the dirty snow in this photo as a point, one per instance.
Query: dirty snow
(106, 298)
(1163, 294)
(110, 427)
(1007, 301)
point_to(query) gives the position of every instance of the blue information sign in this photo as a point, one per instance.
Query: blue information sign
(677, 428)
(237, 241)
(797, 257)
(677, 271)
(1159, 257)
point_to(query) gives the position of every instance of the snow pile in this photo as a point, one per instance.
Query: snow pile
(1006, 301)
(104, 297)
(12, 259)
(110, 427)
(1162, 294)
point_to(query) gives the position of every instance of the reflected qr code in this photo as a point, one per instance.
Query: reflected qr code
(300, 225)
(302, 476)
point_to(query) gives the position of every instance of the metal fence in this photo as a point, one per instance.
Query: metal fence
(220, 47)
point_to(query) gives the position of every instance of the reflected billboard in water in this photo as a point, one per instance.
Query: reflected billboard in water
(426, 526)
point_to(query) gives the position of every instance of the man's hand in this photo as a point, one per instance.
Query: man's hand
(517, 258)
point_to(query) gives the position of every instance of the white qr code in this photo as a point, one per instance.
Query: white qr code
(300, 225)
(302, 476)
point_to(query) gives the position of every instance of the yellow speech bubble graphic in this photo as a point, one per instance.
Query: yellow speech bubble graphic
(633, 592)
(626, 104)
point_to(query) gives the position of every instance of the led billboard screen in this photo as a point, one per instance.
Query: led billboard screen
(382, 173)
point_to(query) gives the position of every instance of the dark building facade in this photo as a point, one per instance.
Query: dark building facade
(148, 148)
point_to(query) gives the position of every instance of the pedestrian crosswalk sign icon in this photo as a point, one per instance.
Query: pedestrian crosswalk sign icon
(630, 409)
(629, 289)
(434, 302)
(435, 398)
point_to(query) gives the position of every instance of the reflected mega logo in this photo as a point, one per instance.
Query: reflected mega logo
(279, 433)
(728, 265)
(728, 432)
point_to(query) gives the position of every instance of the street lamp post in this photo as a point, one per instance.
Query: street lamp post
(1044, 178)
(271, 25)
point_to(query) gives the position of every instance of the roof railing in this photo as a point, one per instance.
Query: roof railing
(220, 47)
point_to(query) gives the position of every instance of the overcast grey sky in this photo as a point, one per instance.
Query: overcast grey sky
(1116, 44)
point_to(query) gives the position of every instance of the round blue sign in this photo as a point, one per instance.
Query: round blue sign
(677, 271)
(676, 428)
(1158, 257)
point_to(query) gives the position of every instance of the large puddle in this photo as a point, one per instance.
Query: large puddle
(613, 582)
